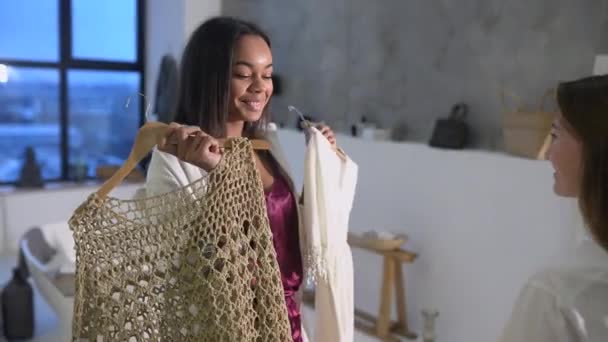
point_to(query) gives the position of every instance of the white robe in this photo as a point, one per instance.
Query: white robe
(329, 189)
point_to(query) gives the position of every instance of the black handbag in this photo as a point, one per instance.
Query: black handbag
(453, 132)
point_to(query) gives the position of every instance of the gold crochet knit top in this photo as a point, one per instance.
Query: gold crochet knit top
(195, 264)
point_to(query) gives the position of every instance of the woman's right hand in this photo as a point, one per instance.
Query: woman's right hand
(192, 145)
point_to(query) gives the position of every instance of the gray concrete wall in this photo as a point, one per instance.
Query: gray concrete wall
(410, 60)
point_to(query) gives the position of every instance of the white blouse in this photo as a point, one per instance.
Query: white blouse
(564, 303)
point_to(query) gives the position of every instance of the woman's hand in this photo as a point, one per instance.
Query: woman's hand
(192, 145)
(328, 133)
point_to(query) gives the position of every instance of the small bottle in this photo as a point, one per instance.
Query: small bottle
(18, 308)
(428, 335)
(79, 167)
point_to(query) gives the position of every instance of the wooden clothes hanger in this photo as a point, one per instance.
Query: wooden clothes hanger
(148, 136)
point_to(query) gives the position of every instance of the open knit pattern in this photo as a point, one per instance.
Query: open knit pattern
(196, 264)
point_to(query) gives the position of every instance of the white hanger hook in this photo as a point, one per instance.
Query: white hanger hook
(294, 109)
(146, 103)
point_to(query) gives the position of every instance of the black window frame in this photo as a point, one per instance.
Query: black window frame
(67, 62)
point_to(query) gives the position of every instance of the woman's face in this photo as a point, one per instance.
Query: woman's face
(564, 153)
(251, 79)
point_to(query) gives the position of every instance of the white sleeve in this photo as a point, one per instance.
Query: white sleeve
(165, 174)
(538, 317)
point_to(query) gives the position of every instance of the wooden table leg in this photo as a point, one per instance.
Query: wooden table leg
(400, 293)
(384, 314)
(402, 325)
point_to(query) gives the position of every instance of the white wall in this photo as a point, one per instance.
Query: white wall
(169, 24)
(482, 223)
(198, 11)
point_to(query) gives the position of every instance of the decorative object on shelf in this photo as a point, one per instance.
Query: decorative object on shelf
(525, 130)
(364, 129)
(31, 176)
(370, 130)
(18, 308)
(399, 132)
(381, 134)
(79, 170)
(166, 89)
(357, 129)
(452, 132)
(430, 315)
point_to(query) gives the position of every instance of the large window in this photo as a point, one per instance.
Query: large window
(67, 70)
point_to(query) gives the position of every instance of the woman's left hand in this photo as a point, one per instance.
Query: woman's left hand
(328, 133)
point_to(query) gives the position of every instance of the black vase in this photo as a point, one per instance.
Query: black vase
(18, 308)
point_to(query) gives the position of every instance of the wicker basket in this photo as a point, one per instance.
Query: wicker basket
(525, 131)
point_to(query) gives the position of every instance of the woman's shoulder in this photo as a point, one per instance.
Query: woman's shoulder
(537, 315)
(550, 280)
(567, 284)
(556, 298)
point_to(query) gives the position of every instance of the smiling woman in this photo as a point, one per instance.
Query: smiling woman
(569, 302)
(225, 82)
(225, 89)
(252, 70)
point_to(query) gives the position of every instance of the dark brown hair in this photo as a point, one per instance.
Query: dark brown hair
(205, 72)
(584, 106)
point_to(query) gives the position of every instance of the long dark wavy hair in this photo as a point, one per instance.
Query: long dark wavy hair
(205, 72)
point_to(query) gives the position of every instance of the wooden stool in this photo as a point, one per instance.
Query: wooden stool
(392, 280)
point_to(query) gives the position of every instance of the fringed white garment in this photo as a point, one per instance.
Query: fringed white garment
(329, 189)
